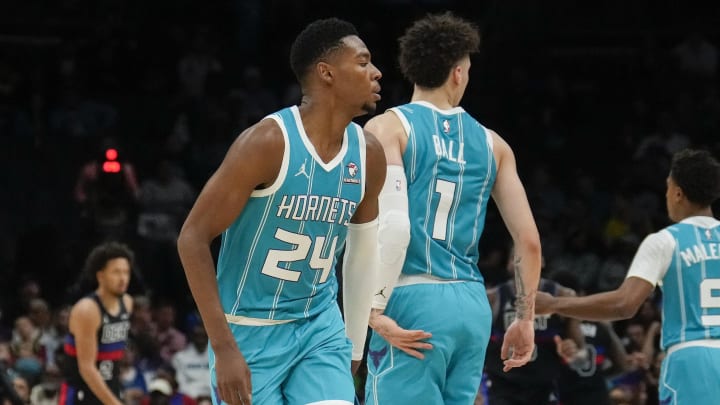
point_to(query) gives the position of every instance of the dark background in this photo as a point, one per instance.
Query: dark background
(576, 89)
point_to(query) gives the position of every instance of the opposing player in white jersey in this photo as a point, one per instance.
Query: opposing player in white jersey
(429, 340)
(684, 260)
(289, 192)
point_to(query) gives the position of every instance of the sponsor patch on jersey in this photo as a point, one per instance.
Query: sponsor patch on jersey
(352, 171)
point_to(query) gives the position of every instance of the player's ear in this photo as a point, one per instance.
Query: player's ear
(457, 75)
(324, 71)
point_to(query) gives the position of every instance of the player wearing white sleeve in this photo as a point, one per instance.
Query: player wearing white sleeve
(684, 261)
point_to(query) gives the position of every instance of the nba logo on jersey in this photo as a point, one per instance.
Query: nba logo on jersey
(446, 126)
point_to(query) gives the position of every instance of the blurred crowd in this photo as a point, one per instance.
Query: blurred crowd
(114, 113)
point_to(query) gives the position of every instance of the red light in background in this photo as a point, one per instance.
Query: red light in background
(111, 167)
(111, 154)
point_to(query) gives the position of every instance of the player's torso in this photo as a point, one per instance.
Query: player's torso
(277, 259)
(111, 339)
(450, 169)
(691, 286)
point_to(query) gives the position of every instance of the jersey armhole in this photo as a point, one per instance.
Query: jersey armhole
(282, 173)
(403, 120)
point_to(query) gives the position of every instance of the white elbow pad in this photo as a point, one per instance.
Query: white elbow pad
(393, 233)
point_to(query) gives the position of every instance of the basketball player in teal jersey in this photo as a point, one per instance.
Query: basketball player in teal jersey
(684, 260)
(429, 340)
(292, 191)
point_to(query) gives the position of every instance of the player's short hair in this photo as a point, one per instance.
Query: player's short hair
(433, 45)
(697, 173)
(319, 39)
(103, 253)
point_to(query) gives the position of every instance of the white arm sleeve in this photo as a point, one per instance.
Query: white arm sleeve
(393, 233)
(359, 271)
(653, 257)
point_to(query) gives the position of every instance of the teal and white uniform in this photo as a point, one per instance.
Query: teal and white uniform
(450, 170)
(276, 271)
(684, 260)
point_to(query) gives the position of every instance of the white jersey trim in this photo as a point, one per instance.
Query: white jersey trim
(711, 343)
(362, 144)
(282, 173)
(414, 279)
(403, 120)
(454, 110)
(311, 148)
(246, 321)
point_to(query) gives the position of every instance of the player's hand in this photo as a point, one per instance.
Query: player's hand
(544, 303)
(566, 348)
(233, 377)
(518, 344)
(409, 341)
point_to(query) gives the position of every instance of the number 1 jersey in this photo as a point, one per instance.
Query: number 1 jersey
(450, 170)
(277, 259)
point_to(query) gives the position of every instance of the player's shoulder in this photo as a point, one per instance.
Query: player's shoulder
(86, 308)
(387, 124)
(128, 302)
(267, 130)
(262, 139)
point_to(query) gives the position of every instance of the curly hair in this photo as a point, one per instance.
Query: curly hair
(102, 254)
(697, 173)
(316, 41)
(433, 45)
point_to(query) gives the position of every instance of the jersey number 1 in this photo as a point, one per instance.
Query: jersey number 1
(446, 189)
(299, 252)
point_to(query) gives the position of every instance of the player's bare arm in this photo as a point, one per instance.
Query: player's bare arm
(376, 167)
(252, 162)
(85, 320)
(511, 200)
(388, 130)
(621, 303)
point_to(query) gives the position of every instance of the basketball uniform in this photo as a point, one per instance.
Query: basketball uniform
(534, 383)
(112, 339)
(587, 385)
(276, 273)
(450, 170)
(684, 259)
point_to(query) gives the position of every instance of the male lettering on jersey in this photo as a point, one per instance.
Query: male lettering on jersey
(430, 332)
(98, 326)
(683, 260)
(293, 190)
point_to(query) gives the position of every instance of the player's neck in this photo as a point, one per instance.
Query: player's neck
(324, 124)
(110, 301)
(698, 212)
(439, 97)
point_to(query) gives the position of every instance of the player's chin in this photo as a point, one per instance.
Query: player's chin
(369, 108)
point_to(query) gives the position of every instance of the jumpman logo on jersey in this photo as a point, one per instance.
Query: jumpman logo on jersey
(382, 292)
(376, 356)
(302, 171)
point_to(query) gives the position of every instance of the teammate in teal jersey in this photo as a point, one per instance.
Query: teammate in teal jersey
(684, 260)
(290, 191)
(429, 340)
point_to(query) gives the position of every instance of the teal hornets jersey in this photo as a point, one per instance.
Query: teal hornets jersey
(691, 285)
(277, 259)
(450, 170)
